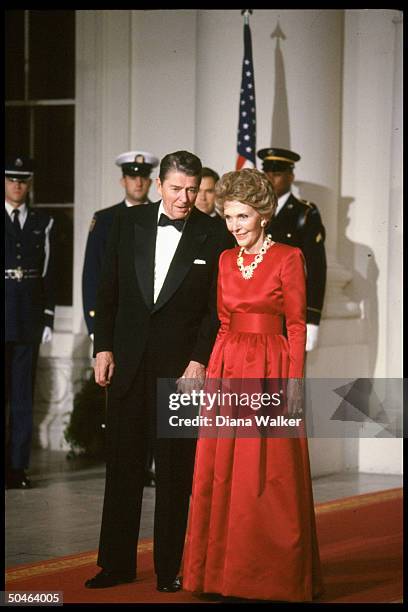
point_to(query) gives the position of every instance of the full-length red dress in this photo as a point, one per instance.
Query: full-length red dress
(252, 531)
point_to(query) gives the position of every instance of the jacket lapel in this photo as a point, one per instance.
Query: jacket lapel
(30, 222)
(145, 231)
(192, 238)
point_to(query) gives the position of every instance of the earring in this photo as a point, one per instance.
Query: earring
(263, 223)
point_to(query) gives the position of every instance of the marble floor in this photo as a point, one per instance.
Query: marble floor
(61, 514)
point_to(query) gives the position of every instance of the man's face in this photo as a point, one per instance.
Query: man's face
(206, 195)
(179, 192)
(136, 188)
(16, 190)
(281, 181)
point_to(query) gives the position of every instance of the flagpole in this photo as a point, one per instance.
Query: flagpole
(246, 137)
(246, 13)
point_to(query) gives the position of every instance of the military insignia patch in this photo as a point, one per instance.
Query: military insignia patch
(93, 223)
(140, 159)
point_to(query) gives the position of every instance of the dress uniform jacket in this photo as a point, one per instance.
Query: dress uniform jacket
(30, 277)
(299, 224)
(95, 250)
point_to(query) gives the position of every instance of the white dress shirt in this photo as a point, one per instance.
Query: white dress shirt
(23, 212)
(167, 241)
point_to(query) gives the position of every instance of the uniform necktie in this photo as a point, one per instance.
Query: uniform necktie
(16, 220)
(165, 220)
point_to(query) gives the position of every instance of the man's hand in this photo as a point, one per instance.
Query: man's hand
(47, 335)
(192, 379)
(103, 368)
(312, 333)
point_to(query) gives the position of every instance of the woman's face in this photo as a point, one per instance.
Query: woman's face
(244, 222)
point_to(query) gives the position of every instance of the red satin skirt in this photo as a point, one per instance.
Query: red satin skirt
(252, 530)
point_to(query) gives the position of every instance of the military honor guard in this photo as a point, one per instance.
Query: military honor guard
(136, 169)
(298, 223)
(29, 304)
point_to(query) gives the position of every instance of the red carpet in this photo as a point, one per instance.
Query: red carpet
(360, 542)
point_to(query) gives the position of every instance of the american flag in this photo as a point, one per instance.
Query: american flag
(246, 145)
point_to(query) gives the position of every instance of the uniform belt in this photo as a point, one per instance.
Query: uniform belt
(19, 273)
(255, 323)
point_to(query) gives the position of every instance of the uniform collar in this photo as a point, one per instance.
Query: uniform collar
(22, 208)
(129, 204)
(282, 201)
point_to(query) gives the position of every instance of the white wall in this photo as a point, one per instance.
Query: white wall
(367, 150)
(371, 186)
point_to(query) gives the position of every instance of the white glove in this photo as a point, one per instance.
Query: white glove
(47, 335)
(312, 333)
(91, 337)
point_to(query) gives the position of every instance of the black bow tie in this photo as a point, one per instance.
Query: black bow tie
(165, 220)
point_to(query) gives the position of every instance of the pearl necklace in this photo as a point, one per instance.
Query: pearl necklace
(248, 271)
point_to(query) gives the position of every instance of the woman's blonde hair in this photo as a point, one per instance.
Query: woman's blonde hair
(248, 186)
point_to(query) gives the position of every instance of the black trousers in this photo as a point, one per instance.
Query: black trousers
(19, 403)
(131, 420)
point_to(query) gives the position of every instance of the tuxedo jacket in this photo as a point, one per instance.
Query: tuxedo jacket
(182, 324)
(299, 224)
(30, 301)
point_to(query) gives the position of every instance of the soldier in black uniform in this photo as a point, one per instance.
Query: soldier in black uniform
(298, 223)
(136, 169)
(29, 317)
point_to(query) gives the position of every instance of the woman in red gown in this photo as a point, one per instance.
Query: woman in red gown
(252, 531)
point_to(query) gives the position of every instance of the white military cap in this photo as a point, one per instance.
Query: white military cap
(137, 162)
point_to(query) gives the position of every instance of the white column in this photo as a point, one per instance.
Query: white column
(369, 142)
(371, 190)
(102, 124)
(163, 74)
(394, 269)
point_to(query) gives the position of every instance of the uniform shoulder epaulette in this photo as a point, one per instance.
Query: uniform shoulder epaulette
(307, 203)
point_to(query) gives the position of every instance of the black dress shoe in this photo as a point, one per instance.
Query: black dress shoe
(105, 579)
(170, 587)
(17, 479)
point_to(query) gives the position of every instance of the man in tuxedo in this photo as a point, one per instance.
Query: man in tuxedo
(136, 168)
(155, 318)
(298, 223)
